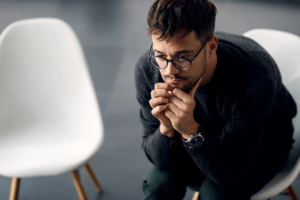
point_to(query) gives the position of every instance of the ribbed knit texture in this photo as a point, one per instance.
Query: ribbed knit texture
(244, 110)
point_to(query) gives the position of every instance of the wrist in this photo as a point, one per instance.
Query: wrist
(194, 128)
(166, 131)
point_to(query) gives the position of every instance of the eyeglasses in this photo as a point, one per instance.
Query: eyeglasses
(180, 63)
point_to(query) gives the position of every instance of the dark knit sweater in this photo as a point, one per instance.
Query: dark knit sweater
(245, 111)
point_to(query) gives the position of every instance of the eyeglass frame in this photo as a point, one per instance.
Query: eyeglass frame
(172, 60)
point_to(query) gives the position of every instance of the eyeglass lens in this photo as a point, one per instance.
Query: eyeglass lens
(162, 63)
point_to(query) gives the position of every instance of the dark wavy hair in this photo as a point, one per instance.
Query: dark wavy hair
(166, 17)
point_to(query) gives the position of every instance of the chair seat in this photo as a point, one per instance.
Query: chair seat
(284, 178)
(50, 149)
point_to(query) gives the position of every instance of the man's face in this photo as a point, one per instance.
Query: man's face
(187, 47)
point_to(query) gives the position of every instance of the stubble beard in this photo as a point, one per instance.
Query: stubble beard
(193, 80)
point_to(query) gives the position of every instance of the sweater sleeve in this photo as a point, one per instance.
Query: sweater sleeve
(226, 159)
(159, 149)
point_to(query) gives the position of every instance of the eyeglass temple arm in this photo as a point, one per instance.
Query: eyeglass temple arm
(200, 49)
(150, 50)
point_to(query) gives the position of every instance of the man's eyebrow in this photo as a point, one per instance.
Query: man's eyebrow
(177, 52)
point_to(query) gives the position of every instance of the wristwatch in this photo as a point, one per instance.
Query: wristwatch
(195, 140)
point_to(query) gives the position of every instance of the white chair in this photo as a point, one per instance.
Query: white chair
(285, 49)
(50, 122)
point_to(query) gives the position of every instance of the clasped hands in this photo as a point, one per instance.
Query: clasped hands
(174, 109)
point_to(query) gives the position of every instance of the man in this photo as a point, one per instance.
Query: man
(213, 107)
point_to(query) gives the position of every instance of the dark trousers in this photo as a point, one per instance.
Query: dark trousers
(170, 184)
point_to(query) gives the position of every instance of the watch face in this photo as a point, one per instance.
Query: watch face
(196, 141)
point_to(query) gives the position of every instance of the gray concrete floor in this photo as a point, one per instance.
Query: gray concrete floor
(113, 35)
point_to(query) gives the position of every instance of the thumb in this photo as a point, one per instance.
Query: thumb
(194, 88)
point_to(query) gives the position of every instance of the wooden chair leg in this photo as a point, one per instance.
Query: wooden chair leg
(291, 192)
(195, 197)
(93, 176)
(14, 188)
(78, 185)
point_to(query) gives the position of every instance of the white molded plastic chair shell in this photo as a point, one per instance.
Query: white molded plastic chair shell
(285, 49)
(50, 122)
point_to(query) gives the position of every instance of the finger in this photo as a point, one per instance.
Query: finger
(159, 93)
(157, 111)
(172, 107)
(163, 86)
(179, 103)
(194, 88)
(181, 95)
(158, 101)
(170, 115)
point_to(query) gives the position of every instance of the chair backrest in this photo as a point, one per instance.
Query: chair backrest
(285, 49)
(44, 80)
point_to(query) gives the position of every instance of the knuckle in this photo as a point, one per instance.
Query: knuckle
(181, 115)
(157, 85)
(159, 109)
(152, 93)
(161, 99)
(154, 112)
(189, 102)
(168, 113)
(152, 103)
(185, 107)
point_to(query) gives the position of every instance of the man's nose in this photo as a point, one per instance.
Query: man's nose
(171, 69)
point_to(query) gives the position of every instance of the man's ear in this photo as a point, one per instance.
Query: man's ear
(212, 45)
